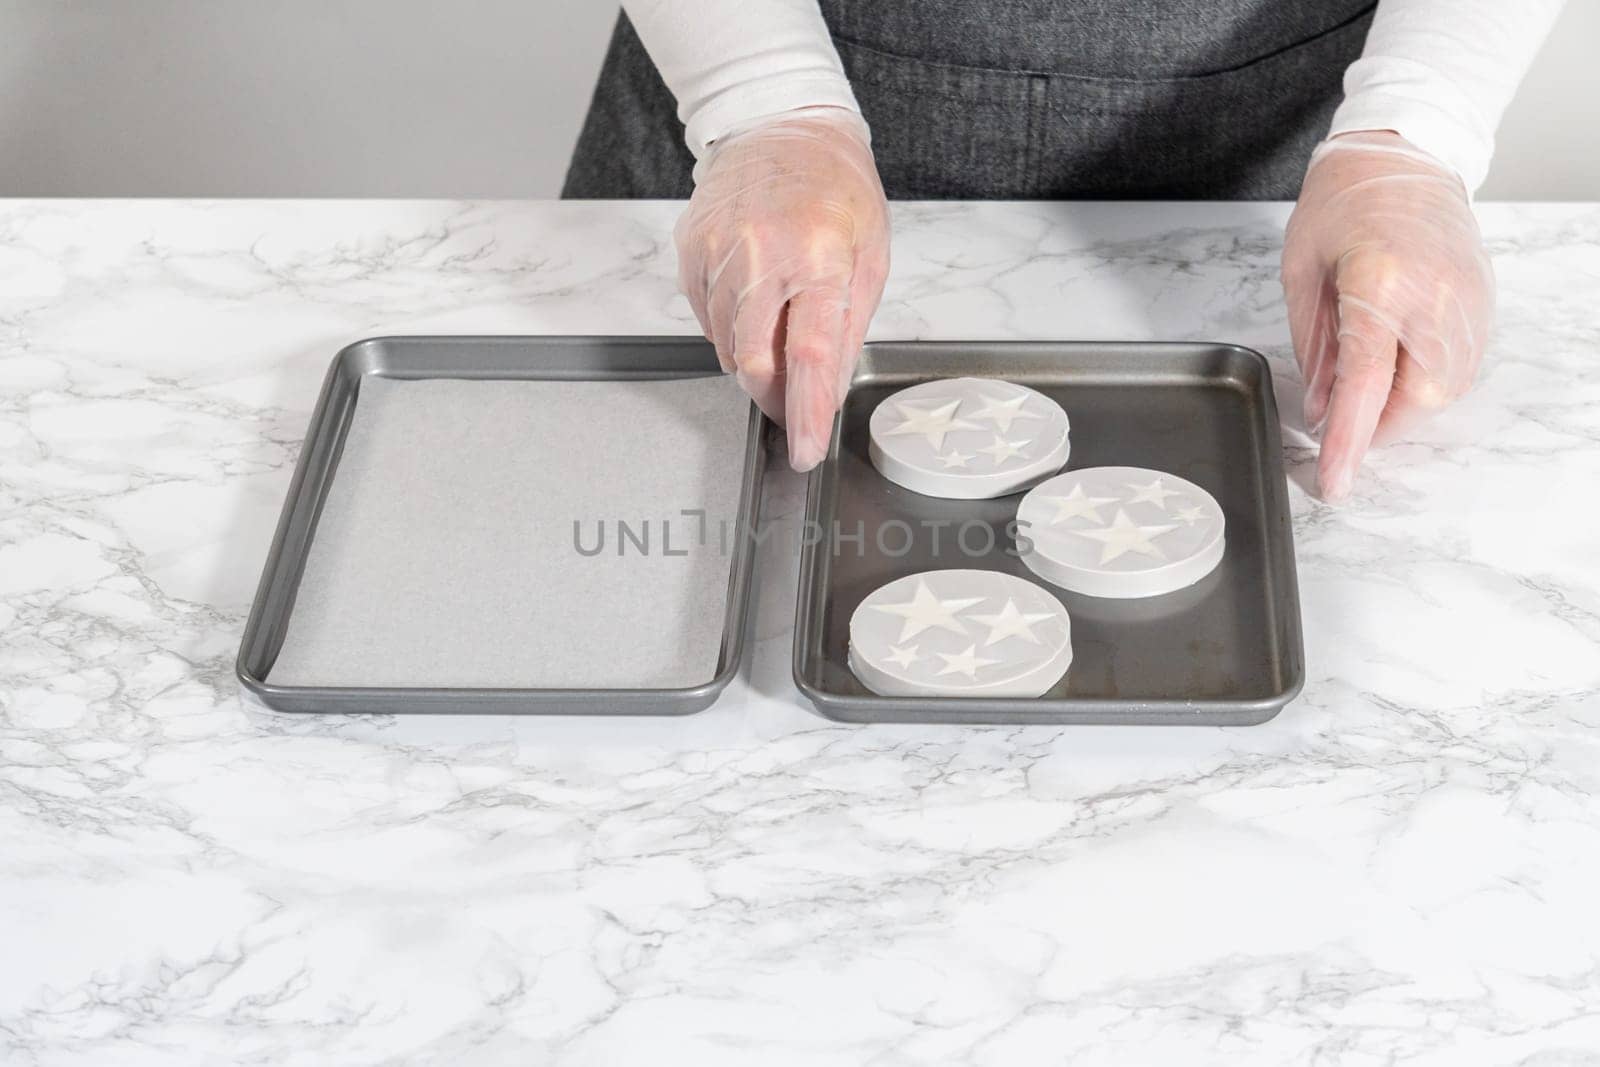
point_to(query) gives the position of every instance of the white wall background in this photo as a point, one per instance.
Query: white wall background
(448, 98)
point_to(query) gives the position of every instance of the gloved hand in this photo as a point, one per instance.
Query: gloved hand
(1390, 295)
(783, 252)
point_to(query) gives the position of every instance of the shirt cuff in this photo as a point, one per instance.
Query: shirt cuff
(748, 105)
(1420, 105)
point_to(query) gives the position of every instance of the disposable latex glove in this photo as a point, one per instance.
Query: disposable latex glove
(783, 252)
(1390, 295)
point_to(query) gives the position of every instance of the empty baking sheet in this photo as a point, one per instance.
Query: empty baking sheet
(534, 524)
(1225, 651)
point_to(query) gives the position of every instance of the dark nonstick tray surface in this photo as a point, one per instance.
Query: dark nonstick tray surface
(1227, 651)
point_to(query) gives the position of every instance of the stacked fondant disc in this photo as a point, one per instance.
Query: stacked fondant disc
(968, 438)
(960, 633)
(1120, 532)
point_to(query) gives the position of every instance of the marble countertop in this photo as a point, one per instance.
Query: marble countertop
(1403, 867)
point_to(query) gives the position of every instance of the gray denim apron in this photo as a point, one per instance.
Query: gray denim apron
(1028, 99)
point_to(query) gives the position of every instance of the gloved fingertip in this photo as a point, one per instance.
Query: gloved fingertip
(812, 397)
(1334, 490)
(810, 429)
(1335, 480)
(806, 449)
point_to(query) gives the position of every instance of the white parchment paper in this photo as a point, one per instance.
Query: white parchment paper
(446, 555)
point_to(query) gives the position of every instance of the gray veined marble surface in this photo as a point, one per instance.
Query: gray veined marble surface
(1404, 867)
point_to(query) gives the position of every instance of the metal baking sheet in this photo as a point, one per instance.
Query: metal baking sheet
(1227, 651)
(415, 388)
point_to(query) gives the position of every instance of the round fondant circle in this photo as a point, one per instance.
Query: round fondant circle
(968, 438)
(956, 633)
(1120, 532)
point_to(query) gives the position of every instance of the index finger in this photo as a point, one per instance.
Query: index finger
(1362, 379)
(813, 349)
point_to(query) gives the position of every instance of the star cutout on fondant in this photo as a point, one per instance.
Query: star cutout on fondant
(1190, 516)
(931, 422)
(924, 611)
(902, 656)
(1078, 504)
(1003, 450)
(1124, 536)
(1010, 622)
(1155, 493)
(1004, 412)
(954, 459)
(966, 663)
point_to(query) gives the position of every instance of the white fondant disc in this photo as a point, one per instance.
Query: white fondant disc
(968, 438)
(1120, 532)
(960, 633)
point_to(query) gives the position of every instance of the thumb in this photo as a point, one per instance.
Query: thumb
(813, 350)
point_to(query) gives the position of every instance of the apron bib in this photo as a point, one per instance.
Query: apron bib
(1035, 99)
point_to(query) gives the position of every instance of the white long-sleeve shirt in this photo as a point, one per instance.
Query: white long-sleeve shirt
(1438, 72)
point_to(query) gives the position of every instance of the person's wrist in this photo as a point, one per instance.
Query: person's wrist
(1397, 152)
(843, 119)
